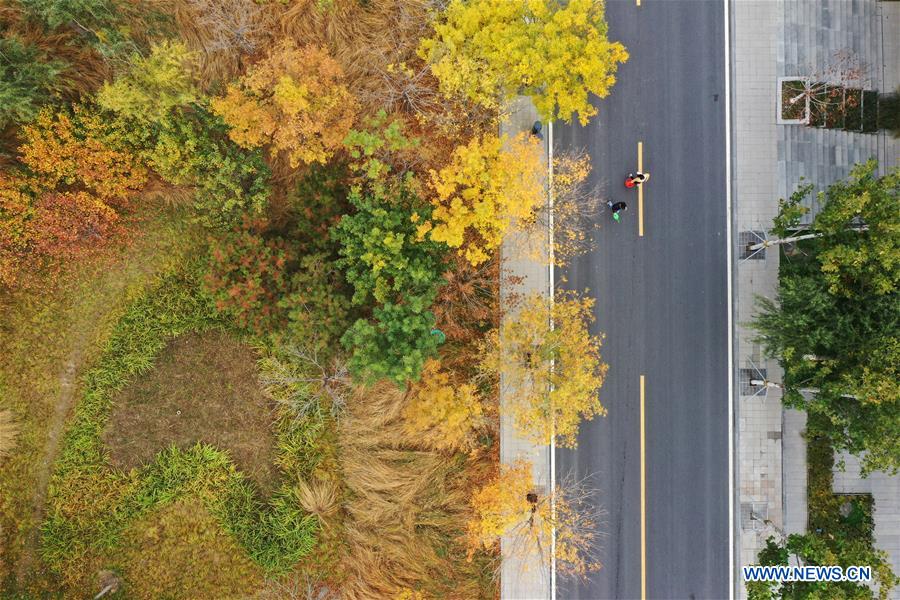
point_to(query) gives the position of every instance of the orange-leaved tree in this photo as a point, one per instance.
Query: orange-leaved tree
(550, 365)
(442, 413)
(69, 224)
(16, 233)
(510, 506)
(490, 184)
(69, 150)
(294, 100)
(65, 202)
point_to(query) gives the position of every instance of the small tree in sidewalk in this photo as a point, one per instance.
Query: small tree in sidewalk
(576, 206)
(511, 507)
(856, 234)
(550, 365)
(828, 91)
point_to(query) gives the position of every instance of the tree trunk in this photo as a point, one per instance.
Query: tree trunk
(795, 238)
(780, 386)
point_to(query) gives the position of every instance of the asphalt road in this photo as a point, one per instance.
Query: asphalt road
(662, 303)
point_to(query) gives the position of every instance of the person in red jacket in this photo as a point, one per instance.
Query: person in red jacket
(635, 179)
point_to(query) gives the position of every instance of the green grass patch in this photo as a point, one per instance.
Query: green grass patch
(157, 563)
(91, 503)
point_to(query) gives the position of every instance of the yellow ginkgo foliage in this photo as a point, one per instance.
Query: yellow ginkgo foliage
(510, 506)
(551, 374)
(501, 506)
(294, 100)
(443, 415)
(490, 184)
(556, 52)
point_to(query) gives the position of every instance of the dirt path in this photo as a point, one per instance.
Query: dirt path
(80, 334)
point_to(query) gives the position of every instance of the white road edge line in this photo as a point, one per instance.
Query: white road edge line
(552, 258)
(728, 241)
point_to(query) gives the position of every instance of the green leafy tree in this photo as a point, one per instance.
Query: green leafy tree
(318, 309)
(86, 14)
(556, 52)
(192, 148)
(822, 550)
(152, 86)
(387, 265)
(856, 234)
(394, 345)
(835, 325)
(837, 358)
(380, 252)
(28, 80)
(375, 149)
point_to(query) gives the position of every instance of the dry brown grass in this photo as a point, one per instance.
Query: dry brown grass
(227, 35)
(9, 432)
(375, 43)
(203, 388)
(319, 497)
(364, 38)
(406, 507)
(469, 303)
(160, 193)
(86, 67)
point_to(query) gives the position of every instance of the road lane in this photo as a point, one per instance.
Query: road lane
(662, 303)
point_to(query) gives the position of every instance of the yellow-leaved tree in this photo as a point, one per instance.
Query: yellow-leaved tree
(576, 206)
(294, 100)
(551, 373)
(152, 86)
(556, 52)
(490, 184)
(511, 506)
(442, 414)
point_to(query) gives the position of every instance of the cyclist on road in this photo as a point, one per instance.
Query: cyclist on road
(616, 208)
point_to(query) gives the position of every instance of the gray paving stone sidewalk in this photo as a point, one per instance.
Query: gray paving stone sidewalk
(771, 39)
(759, 444)
(885, 492)
(522, 577)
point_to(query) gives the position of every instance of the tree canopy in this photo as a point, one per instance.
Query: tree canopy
(152, 86)
(484, 190)
(835, 325)
(294, 100)
(554, 372)
(556, 52)
(816, 549)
